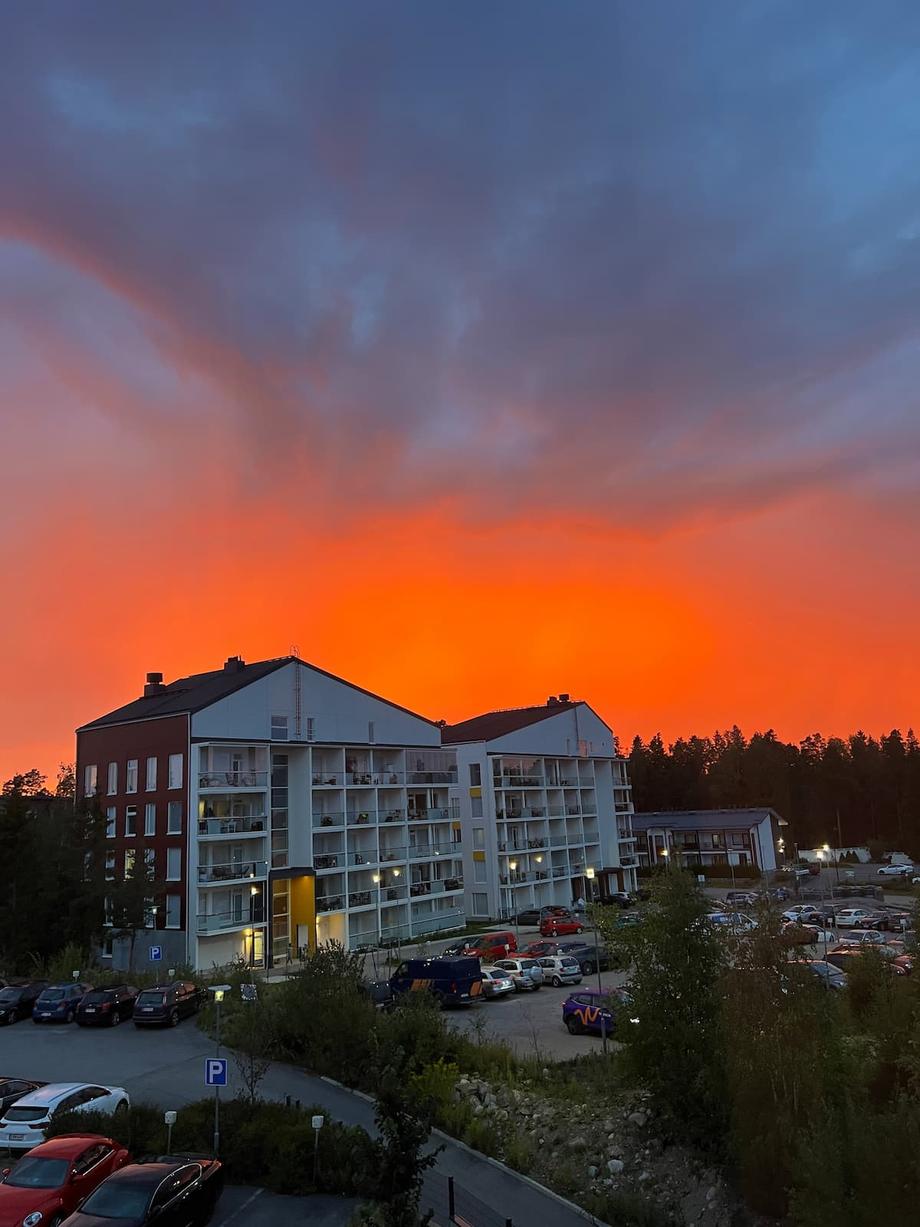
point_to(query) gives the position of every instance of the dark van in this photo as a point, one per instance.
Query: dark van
(451, 981)
(164, 1006)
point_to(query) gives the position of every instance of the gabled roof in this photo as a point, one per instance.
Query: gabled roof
(492, 724)
(705, 819)
(200, 690)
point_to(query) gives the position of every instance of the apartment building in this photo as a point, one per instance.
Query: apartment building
(277, 805)
(546, 808)
(731, 837)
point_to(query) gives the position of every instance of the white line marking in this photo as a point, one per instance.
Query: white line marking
(239, 1210)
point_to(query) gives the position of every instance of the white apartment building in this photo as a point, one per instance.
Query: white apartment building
(544, 799)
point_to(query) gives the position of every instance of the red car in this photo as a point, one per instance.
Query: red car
(560, 926)
(49, 1182)
(541, 949)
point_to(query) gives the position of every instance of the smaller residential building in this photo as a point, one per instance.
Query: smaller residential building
(751, 837)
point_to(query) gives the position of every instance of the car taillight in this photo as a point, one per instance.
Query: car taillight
(106, 1005)
(453, 987)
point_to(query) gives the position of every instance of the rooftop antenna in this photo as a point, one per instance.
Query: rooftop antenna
(298, 696)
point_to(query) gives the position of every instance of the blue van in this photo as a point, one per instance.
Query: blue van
(451, 981)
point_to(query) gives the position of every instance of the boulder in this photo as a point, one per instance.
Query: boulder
(615, 1166)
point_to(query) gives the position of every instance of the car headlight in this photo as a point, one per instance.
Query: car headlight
(33, 1219)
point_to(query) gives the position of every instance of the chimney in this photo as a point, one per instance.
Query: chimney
(552, 701)
(563, 698)
(233, 664)
(154, 685)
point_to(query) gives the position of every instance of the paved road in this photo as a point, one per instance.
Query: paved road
(167, 1068)
(247, 1207)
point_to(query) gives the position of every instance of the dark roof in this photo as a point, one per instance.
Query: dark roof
(705, 819)
(200, 690)
(493, 724)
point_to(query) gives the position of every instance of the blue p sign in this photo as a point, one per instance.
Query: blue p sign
(155, 954)
(215, 1071)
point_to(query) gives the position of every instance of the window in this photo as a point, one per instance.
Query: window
(150, 818)
(89, 780)
(131, 776)
(475, 775)
(150, 864)
(130, 858)
(174, 818)
(150, 914)
(279, 728)
(479, 837)
(173, 864)
(111, 815)
(475, 807)
(175, 771)
(173, 911)
(311, 728)
(151, 774)
(110, 866)
(370, 732)
(130, 820)
(479, 871)
(108, 908)
(112, 782)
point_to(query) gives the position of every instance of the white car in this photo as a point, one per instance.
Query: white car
(799, 911)
(527, 974)
(895, 871)
(821, 937)
(852, 917)
(25, 1121)
(736, 921)
(560, 969)
(862, 937)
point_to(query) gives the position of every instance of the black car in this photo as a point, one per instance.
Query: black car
(380, 993)
(530, 916)
(168, 1191)
(618, 898)
(587, 956)
(18, 999)
(164, 1006)
(12, 1089)
(106, 1007)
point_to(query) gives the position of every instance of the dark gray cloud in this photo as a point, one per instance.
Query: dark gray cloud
(645, 262)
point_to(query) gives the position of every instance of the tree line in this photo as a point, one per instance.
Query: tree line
(871, 785)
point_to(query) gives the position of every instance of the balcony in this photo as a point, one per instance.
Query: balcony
(448, 885)
(326, 860)
(232, 779)
(330, 819)
(222, 827)
(362, 898)
(363, 856)
(330, 903)
(222, 922)
(432, 777)
(362, 818)
(395, 853)
(210, 875)
(328, 779)
(519, 781)
(393, 894)
(435, 814)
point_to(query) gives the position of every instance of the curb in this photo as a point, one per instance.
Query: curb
(477, 1154)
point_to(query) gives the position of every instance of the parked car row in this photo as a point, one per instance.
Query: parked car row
(66, 1003)
(83, 1179)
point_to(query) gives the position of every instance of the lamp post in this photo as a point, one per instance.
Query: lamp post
(512, 868)
(590, 874)
(218, 990)
(317, 1122)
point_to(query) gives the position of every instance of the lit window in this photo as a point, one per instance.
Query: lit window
(130, 858)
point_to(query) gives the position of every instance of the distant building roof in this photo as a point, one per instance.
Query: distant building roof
(705, 819)
(200, 690)
(492, 724)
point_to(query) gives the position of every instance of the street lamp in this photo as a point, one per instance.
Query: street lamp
(590, 875)
(218, 990)
(512, 868)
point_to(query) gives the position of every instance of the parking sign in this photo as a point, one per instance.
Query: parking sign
(155, 953)
(215, 1071)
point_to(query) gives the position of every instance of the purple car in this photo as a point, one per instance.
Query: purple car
(592, 1012)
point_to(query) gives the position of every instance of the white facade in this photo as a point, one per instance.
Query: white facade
(540, 806)
(300, 774)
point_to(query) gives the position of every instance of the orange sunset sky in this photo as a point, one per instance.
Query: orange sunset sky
(479, 354)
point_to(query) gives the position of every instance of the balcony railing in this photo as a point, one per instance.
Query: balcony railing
(233, 779)
(417, 889)
(330, 903)
(519, 781)
(217, 922)
(328, 860)
(332, 818)
(393, 894)
(232, 826)
(232, 872)
(432, 777)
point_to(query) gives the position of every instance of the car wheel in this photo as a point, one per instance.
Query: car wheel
(580, 929)
(557, 983)
(574, 1026)
(588, 969)
(174, 1018)
(121, 1111)
(56, 1221)
(69, 1018)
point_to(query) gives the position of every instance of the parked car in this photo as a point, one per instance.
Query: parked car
(380, 993)
(736, 922)
(595, 1011)
(804, 913)
(451, 981)
(627, 920)
(561, 926)
(903, 964)
(18, 998)
(852, 917)
(12, 1089)
(587, 956)
(106, 1007)
(530, 916)
(895, 922)
(487, 946)
(166, 1005)
(23, 1125)
(739, 898)
(560, 969)
(496, 982)
(58, 1003)
(526, 973)
(167, 1191)
(541, 949)
(821, 937)
(831, 976)
(861, 937)
(618, 898)
(895, 871)
(52, 1180)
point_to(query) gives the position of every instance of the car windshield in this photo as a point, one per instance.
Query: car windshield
(569, 962)
(150, 997)
(52, 994)
(32, 1173)
(117, 1200)
(25, 1114)
(98, 994)
(10, 996)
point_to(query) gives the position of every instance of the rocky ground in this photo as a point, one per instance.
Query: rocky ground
(580, 1150)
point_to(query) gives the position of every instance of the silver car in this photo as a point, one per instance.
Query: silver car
(496, 982)
(527, 974)
(560, 969)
